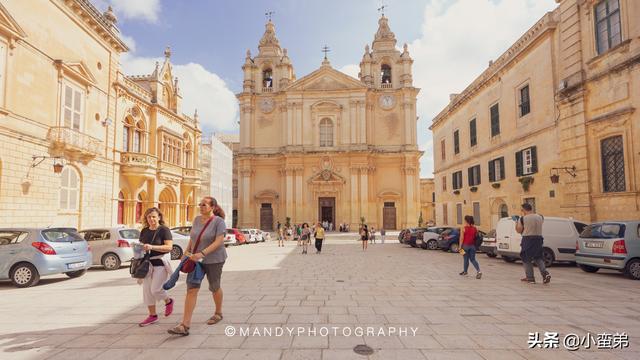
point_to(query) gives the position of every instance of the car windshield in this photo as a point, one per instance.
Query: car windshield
(132, 234)
(603, 231)
(61, 235)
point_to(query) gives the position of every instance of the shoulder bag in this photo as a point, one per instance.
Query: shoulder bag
(190, 265)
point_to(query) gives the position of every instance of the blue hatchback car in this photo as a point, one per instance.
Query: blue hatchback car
(26, 254)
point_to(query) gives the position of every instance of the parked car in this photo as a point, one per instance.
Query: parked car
(251, 235)
(180, 243)
(230, 238)
(258, 235)
(111, 247)
(449, 240)
(182, 230)
(560, 236)
(266, 236)
(610, 245)
(489, 245)
(26, 254)
(428, 240)
(240, 237)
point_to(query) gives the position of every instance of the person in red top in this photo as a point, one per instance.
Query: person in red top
(468, 246)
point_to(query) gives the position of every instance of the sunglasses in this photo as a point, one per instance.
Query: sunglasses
(203, 204)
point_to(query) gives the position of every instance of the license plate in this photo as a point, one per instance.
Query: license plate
(594, 244)
(503, 246)
(77, 265)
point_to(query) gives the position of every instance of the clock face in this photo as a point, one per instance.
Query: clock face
(387, 101)
(266, 105)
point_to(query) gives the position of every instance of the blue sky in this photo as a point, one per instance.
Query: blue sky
(451, 42)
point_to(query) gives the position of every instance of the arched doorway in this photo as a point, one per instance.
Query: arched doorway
(120, 219)
(140, 206)
(499, 210)
(168, 205)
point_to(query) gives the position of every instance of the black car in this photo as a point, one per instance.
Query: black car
(411, 237)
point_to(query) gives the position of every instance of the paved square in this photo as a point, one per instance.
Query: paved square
(267, 288)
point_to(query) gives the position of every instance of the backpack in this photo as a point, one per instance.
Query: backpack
(478, 240)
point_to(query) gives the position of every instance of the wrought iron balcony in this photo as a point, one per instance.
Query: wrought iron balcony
(73, 144)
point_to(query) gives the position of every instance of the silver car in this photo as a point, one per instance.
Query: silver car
(26, 254)
(111, 247)
(610, 245)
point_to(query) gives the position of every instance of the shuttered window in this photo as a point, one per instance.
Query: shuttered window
(473, 138)
(457, 180)
(495, 120)
(474, 175)
(456, 142)
(496, 169)
(608, 26)
(527, 162)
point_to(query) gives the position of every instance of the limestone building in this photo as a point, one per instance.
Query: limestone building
(233, 142)
(120, 143)
(549, 122)
(427, 201)
(328, 146)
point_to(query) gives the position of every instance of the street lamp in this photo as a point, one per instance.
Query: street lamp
(58, 164)
(555, 176)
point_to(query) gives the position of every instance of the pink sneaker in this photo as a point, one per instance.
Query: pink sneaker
(168, 308)
(151, 319)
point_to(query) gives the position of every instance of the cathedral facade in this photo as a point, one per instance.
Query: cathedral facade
(327, 146)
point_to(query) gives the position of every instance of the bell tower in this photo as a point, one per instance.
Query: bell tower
(271, 70)
(384, 66)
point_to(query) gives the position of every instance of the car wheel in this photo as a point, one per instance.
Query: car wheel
(509, 259)
(589, 269)
(176, 252)
(111, 261)
(548, 257)
(75, 274)
(24, 275)
(455, 247)
(492, 254)
(432, 245)
(633, 269)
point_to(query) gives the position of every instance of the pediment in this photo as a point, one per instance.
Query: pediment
(266, 194)
(326, 78)
(326, 177)
(389, 194)
(9, 26)
(78, 71)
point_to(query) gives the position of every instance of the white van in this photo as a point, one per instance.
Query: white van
(560, 236)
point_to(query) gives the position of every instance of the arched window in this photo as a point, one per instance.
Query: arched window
(139, 209)
(138, 138)
(127, 134)
(267, 78)
(69, 189)
(326, 133)
(385, 73)
(188, 155)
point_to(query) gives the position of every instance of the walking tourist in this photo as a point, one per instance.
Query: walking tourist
(383, 232)
(305, 237)
(210, 228)
(280, 236)
(364, 236)
(530, 226)
(319, 237)
(156, 239)
(468, 246)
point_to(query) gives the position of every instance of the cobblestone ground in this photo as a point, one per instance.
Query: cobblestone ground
(267, 287)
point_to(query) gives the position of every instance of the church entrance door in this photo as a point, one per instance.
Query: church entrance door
(266, 217)
(389, 216)
(327, 209)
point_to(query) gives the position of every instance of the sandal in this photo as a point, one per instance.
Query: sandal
(216, 318)
(180, 329)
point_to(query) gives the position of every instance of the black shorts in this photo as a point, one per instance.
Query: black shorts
(213, 273)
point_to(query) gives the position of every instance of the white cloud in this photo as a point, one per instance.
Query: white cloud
(130, 42)
(201, 89)
(459, 38)
(148, 10)
(352, 70)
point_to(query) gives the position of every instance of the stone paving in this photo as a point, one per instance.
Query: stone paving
(267, 287)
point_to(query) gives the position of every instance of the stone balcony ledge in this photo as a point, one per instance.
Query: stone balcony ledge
(73, 144)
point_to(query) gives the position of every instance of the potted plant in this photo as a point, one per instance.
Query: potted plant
(495, 185)
(473, 189)
(420, 220)
(526, 182)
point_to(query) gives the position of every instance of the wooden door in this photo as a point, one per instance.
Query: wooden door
(266, 217)
(389, 217)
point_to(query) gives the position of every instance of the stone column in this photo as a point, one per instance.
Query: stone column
(284, 116)
(289, 173)
(354, 195)
(298, 123)
(289, 129)
(409, 173)
(364, 192)
(298, 208)
(363, 122)
(246, 216)
(408, 123)
(245, 125)
(353, 122)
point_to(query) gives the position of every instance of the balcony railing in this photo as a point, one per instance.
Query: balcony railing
(169, 168)
(137, 159)
(191, 176)
(267, 89)
(73, 144)
(386, 85)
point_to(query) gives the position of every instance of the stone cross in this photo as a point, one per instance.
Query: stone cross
(381, 9)
(269, 14)
(325, 50)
